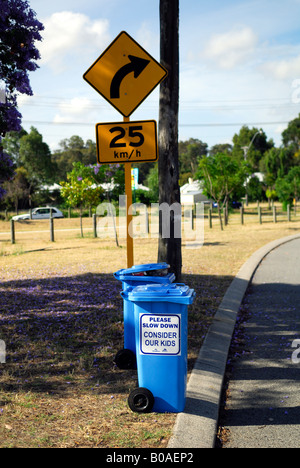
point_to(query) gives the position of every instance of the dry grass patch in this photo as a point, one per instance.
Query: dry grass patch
(61, 318)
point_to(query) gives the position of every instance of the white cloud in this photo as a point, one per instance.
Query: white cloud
(283, 69)
(231, 48)
(147, 39)
(74, 109)
(67, 33)
(24, 99)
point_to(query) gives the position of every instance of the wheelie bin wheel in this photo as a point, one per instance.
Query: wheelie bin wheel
(125, 359)
(141, 400)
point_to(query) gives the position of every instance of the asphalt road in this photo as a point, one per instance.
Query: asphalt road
(263, 407)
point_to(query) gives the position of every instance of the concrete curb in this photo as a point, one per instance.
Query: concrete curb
(196, 427)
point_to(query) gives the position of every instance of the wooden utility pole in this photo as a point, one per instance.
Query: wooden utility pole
(169, 249)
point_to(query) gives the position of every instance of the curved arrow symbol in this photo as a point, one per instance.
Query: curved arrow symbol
(136, 65)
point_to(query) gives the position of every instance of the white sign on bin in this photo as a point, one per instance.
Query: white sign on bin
(160, 334)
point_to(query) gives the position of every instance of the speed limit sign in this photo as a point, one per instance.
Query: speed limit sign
(132, 142)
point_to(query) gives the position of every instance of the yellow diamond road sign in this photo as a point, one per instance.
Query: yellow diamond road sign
(121, 142)
(125, 74)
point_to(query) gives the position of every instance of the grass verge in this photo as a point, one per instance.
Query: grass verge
(61, 319)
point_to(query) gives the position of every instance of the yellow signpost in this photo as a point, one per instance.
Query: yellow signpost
(125, 74)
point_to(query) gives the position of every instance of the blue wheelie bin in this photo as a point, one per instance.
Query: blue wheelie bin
(151, 273)
(161, 322)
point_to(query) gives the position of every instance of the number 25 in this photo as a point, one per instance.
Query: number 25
(132, 133)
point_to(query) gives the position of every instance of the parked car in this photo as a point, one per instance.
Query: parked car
(234, 204)
(40, 213)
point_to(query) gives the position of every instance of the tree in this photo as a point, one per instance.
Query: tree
(11, 145)
(255, 189)
(73, 150)
(250, 144)
(221, 176)
(275, 165)
(17, 188)
(152, 183)
(169, 249)
(291, 136)
(90, 153)
(79, 190)
(288, 187)
(6, 170)
(220, 148)
(83, 186)
(291, 139)
(190, 153)
(35, 156)
(19, 29)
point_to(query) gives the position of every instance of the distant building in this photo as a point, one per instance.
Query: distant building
(51, 188)
(192, 193)
(259, 176)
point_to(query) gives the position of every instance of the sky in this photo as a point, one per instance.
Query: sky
(239, 65)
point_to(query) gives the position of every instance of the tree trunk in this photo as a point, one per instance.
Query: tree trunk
(169, 249)
(226, 212)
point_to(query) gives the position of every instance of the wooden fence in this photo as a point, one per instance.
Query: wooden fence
(246, 215)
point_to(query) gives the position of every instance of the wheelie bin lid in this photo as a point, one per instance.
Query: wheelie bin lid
(138, 269)
(174, 292)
